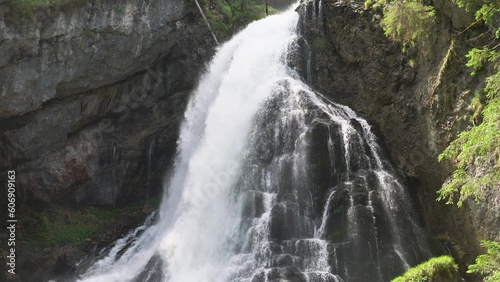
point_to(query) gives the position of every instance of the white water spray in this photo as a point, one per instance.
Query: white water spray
(199, 215)
(242, 204)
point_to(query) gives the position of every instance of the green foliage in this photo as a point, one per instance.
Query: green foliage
(229, 16)
(407, 21)
(488, 264)
(484, 9)
(58, 226)
(25, 9)
(375, 4)
(477, 106)
(477, 147)
(476, 151)
(492, 87)
(477, 58)
(441, 268)
(27, 6)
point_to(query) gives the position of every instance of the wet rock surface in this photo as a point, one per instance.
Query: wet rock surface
(55, 54)
(417, 99)
(85, 133)
(91, 100)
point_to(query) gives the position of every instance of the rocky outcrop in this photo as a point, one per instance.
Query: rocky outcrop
(56, 54)
(92, 97)
(417, 99)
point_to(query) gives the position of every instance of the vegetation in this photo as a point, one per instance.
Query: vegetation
(488, 265)
(436, 269)
(28, 6)
(44, 3)
(58, 226)
(478, 147)
(228, 16)
(407, 21)
(475, 153)
(320, 43)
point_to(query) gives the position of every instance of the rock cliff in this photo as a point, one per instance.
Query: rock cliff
(417, 99)
(92, 96)
(91, 99)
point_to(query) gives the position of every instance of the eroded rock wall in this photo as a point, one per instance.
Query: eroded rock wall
(417, 99)
(91, 100)
(92, 97)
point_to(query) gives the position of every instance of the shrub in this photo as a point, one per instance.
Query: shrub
(407, 22)
(229, 16)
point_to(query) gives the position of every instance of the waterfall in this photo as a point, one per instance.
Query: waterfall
(272, 182)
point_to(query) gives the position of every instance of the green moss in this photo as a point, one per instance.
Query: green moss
(320, 43)
(438, 269)
(48, 3)
(118, 9)
(20, 9)
(412, 63)
(60, 226)
(375, 4)
(476, 106)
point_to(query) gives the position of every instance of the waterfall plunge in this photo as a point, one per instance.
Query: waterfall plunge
(271, 181)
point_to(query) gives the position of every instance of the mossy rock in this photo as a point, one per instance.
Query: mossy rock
(438, 269)
(59, 226)
(320, 43)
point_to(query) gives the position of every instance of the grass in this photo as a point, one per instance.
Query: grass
(438, 269)
(61, 226)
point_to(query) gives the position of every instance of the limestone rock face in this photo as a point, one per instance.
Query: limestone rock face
(61, 53)
(417, 99)
(92, 97)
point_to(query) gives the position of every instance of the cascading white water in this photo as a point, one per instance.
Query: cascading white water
(245, 203)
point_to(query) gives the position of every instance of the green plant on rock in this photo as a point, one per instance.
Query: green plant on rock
(229, 16)
(477, 147)
(27, 6)
(483, 9)
(59, 226)
(478, 57)
(476, 151)
(407, 21)
(441, 268)
(488, 265)
(375, 4)
(320, 43)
